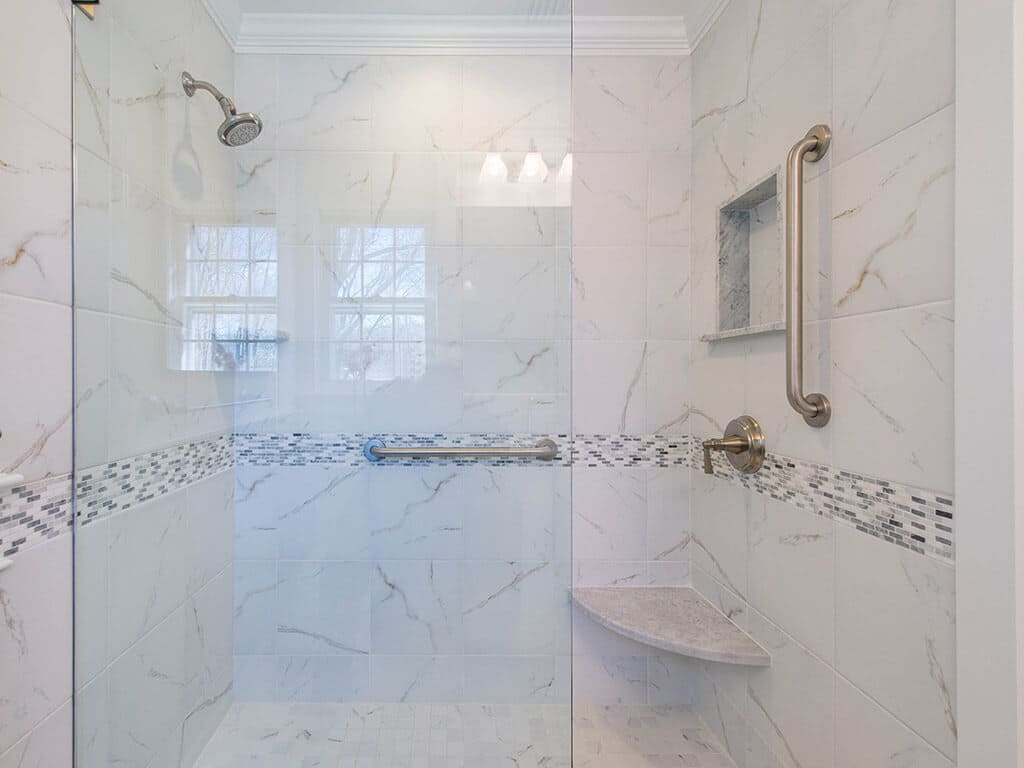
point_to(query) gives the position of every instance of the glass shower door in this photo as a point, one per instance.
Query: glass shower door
(388, 259)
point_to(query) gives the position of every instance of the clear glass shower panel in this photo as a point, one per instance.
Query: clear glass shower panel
(300, 228)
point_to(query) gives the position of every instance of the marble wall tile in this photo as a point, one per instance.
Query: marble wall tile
(518, 513)
(621, 90)
(150, 395)
(668, 293)
(37, 433)
(416, 678)
(609, 514)
(670, 107)
(98, 189)
(417, 103)
(36, 182)
(609, 286)
(785, 545)
(323, 608)
(328, 103)
(892, 743)
(147, 551)
(417, 607)
(668, 408)
(35, 657)
(610, 205)
(516, 367)
(511, 103)
(314, 513)
(317, 194)
(517, 679)
(609, 386)
(417, 190)
(509, 227)
(668, 201)
(49, 744)
(320, 678)
(893, 426)
(719, 542)
(255, 607)
(40, 33)
(511, 608)
(153, 671)
(895, 633)
(905, 256)
(879, 89)
(792, 703)
(668, 515)
(415, 513)
(92, 600)
(609, 679)
(513, 293)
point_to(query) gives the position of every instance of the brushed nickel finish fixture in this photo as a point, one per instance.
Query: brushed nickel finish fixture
(545, 450)
(743, 443)
(237, 129)
(815, 408)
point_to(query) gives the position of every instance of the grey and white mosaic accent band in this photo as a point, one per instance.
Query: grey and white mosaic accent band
(347, 449)
(109, 488)
(631, 451)
(33, 513)
(914, 518)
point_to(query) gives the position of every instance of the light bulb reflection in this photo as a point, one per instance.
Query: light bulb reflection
(494, 170)
(535, 170)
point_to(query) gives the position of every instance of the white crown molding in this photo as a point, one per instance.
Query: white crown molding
(219, 13)
(702, 15)
(630, 36)
(379, 34)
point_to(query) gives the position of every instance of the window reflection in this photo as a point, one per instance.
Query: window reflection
(378, 325)
(230, 302)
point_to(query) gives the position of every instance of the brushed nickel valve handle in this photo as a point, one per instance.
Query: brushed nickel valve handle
(743, 443)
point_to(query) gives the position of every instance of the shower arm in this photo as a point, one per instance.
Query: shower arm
(191, 85)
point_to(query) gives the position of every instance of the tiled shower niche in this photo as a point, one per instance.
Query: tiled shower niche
(750, 277)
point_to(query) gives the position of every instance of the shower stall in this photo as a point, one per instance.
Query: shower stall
(399, 328)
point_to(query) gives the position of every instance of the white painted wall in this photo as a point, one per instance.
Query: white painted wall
(989, 393)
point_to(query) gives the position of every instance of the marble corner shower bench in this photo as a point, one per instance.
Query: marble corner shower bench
(675, 619)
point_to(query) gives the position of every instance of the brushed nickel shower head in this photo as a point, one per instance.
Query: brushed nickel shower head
(237, 129)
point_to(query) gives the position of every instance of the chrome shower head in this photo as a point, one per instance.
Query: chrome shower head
(237, 129)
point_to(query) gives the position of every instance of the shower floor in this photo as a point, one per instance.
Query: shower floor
(458, 736)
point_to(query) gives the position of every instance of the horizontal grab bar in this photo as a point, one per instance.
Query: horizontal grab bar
(545, 450)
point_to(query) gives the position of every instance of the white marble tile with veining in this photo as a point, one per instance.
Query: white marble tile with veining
(893, 67)
(892, 222)
(895, 633)
(35, 183)
(890, 425)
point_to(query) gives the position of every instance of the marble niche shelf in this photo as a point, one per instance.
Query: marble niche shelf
(674, 619)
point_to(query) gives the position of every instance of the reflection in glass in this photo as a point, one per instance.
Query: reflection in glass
(378, 325)
(230, 301)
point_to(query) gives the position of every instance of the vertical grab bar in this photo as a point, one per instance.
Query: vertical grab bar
(815, 408)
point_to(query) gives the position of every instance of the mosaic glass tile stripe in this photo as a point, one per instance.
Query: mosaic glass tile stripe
(909, 517)
(110, 488)
(34, 512)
